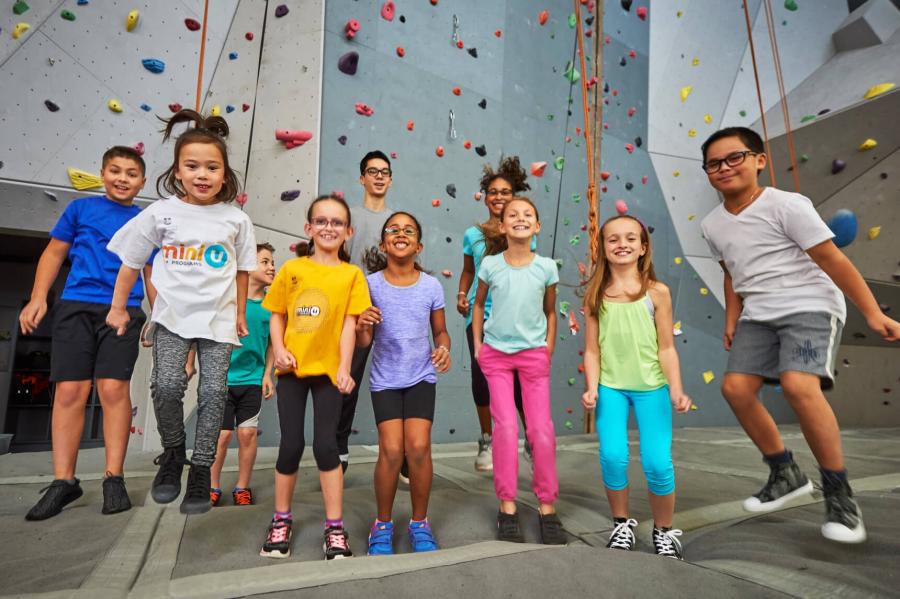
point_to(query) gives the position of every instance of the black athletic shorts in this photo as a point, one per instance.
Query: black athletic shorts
(242, 406)
(84, 347)
(413, 402)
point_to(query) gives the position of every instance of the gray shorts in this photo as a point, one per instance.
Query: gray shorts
(803, 342)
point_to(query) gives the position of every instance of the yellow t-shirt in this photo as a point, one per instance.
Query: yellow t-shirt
(316, 298)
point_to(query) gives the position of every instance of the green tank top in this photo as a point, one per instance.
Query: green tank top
(629, 352)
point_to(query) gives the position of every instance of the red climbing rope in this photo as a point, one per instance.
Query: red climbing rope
(202, 51)
(762, 111)
(770, 22)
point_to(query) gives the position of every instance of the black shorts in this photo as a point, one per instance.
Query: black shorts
(242, 406)
(413, 402)
(84, 347)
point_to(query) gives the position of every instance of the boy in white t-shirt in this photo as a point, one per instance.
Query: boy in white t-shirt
(784, 312)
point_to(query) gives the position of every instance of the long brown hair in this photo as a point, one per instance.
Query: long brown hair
(206, 130)
(309, 248)
(601, 277)
(495, 241)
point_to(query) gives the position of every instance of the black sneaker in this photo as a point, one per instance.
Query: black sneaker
(552, 530)
(58, 494)
(115, 497)
(666, 543)
(196, 494)
(786, 482)
(345, 463)
(278, 539)
(508, 528)
(843, 518)
(336, 544)
(622, 536)
(167, 482)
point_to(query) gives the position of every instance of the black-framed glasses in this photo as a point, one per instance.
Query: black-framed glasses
(732, 160)
(503, 193)
(320, 222)
(374, 172)
(408, 231)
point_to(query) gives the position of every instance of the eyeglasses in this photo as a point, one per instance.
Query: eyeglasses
(320, 223)
(408, 231)
(733, 159)
(504, 193)
(374, 172)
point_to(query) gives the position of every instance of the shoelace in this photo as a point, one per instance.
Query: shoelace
(622, 536)
(56, 483)
(278, 533)
(667, 542)
(243, 497)
(337, 540)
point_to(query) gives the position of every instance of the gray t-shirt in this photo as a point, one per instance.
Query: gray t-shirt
(367, 225)
(764, 248)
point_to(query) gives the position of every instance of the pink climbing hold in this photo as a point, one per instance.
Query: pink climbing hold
(543, 16)
(175, 107)
(393, 155)
(338, 194)
(364, 109)
(477, 196)
(351, 28)
(607, 40)
(631, 111)
(621, 207)
(435, 203)
(629, 148)
(139, 148)
(410, 125)
(641, 12)
(241, 198)
(192, 24)
(248, 36)
(439, 151)
(644, 179)
(447, 273)
(537, 168)
(387, 10)
(292, 139)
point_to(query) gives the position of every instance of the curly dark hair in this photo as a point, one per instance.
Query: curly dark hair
(509, 169)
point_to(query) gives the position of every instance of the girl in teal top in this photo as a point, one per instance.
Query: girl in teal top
(630, 360)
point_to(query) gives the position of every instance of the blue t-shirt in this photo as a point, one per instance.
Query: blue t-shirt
(518, 321)
(87, 224)
(248, 362)
(401, 356)
(473, 245)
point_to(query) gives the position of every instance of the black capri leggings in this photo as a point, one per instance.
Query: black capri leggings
(480, 391)
(327, 401)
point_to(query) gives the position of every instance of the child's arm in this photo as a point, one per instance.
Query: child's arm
(837, 266)
(465, 282)
(364, 324)
(47, 269)
(668, 357)
(243, 281)
(591, 360)
(550, 312)
(345, 382)
(118, 316)
(148, 286)
(478, 317)
(440, 357)
(268, 385)
(733, 306)
(284, 359)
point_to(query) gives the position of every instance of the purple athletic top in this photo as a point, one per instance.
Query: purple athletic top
(401, 356)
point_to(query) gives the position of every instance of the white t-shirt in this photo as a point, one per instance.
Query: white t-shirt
(764, 248)
(201, 250)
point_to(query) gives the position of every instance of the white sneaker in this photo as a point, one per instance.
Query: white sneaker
(484, 462)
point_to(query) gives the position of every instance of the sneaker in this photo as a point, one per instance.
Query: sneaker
(404, 472)
(167, 482)
(666, 543)
(345, 462)
(196, 494)
(552, 530)
(337, 544)
(115, 497)
(843, 518)
(421, 538)
(508, 528)
(215, 495)
(278, 539)
(622, 536)
(484, 461)
(381, 539)
(242, 496)
(58, 494)
(786, 482)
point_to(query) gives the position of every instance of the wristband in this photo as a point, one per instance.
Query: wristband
(444, 347)
(461, 293)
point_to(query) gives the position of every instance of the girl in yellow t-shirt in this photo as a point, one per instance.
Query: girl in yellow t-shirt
(315, 301)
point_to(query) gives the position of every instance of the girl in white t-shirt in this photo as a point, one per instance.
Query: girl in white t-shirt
(206, 250)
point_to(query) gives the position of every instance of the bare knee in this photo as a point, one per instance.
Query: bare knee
(801, 388)
(391, 454)
(417, 450)
(71, 394)
(246, 436)
(739, 391)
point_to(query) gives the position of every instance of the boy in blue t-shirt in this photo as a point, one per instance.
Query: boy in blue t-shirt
(249, 381)
(84, 351)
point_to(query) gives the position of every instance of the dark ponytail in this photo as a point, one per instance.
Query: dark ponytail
(376, 260)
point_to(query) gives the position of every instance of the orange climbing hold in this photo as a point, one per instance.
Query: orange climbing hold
(457, 91)
(435, 203)
(439, 151)
(467, 144)
(400, 51)
(543, 16)
(537, 168)
(410, 125)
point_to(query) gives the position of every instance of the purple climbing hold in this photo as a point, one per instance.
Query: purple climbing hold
(348, 63)
(483, 103)
(342, 140)
(281, 10)
(51, 105)
(651, 229)
(837, 166)
(589, 20)
(473, 52)
(481, 150)
(290, 195)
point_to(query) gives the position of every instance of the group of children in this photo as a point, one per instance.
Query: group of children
(214, 293)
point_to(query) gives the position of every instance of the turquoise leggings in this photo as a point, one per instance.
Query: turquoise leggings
(653, 411)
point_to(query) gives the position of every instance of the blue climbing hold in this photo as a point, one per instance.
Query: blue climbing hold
(229, 109)
(232, 55)
(146, 107)
(154, 65)
(82, 2)
(844, 226)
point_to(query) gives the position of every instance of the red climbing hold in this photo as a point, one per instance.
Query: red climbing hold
(364, 109)
(249, 36)
(498, 33)
(629, 148)
(192, 24)
(588, 33)
(351, 28)
(460, 45)
(467, 144)
(543, 16)
(435, 203)
(400, 51)
(439, 151)
(410, 125)
(632, 54)
(175, 107)
(641, 12)
(139, 148)
(537, 168)
(456, 91)
(631, 111)
(245, 107)
(434, 2)
(604, 175)
(241, 198)
(393, 155)
(292, 139)
(387, 10)
(607, 40)
(644, 179)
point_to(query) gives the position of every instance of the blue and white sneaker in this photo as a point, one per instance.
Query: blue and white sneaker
(420, 536)
(381, 538)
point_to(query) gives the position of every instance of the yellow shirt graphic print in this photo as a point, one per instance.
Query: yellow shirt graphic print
(310, 311)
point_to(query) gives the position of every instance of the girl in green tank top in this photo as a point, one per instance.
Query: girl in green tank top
(630, 361)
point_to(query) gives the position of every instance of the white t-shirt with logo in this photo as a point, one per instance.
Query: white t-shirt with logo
(764, 248)
(201, 249)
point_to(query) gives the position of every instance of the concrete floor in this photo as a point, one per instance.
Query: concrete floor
(154, 551)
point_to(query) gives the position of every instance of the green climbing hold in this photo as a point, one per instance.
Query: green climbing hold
(68, 15)
(743, 113)
(576, 197)
(546, 188)
(791, 4)
(20, 7)
(804, 157)
(573, 20)
(575, 240)
(571, 381)
(549, 117)
(564, 307)
(569, 424)
(566, 222)
(559, 263)
(808, 118)
(571, 100)
(559, 163)
(570, 73)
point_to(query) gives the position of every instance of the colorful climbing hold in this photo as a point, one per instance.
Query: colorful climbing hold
(245, 107)
(676, 173)
(410, 125)
(68, 15)
(364, 109)
(837, 166)
(292, 138)
(19, 29)
(874, 232)
(51, 105)
(20, 7)
(686, 91)
(481, 150)
(641, 12)
(629, 148)
(621, 207)
(543, 16)
(342, 140)
(192, 24)
(742, 112)
(82, 180)
(351, 28)
(241, 198)
(229, 108)
(791, 5)
(537, 169)
(677, 259)
(708, 376)
(290, 195)
(867, 145)
(216, 110)
(604, 175)
(559, 163)
(631, 111)
(232, 55)
(175, 107)
(707, 118)
(114, 105)
(877, 90)
(704, 291)
(692, 132)
(131, 20)
(844, 226)
(146, 107)
(248, 36)
(387, 10)
(439, 151)
(456, 91)
(154, 65)
(571, 73)
(435, 203)
(451, 190)
(281, 10)
(348, 63)
(401, 52)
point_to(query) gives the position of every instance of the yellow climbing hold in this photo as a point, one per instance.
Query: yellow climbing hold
(874, 232)
(867, 145)
(708, 376)
(676, 173)
(686, 91)
(692, 133)
(19, 29)
(696, 61)
(877, 90)
(692, 216)
(694, 407)
(82, 180)
(707, 118)
(676, 328)
(216, 110)
(678, 260)
(678, 14)
(114, 105)
(704, 291)
(131, 20)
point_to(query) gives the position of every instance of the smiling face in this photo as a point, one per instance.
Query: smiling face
(328, 225)
(734, 180)
(201, 171)
(622, 243)
(375, 179)
(498, 192)
(265, 267)
(122, 178)
(401, 237)
(519, 220)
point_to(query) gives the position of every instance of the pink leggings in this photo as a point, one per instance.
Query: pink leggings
(533, 367)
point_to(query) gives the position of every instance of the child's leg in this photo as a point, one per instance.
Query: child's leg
(499, 370)
(247, 418)
(168, 384)
(327, 402)
(115, 399)
(292, 394)
(653, 411)
(480, 391)
(817, 420)
(612, 431)
(741, 392)
(215, 471)
(348, 405)
(418, 414)
(214, 359)
(533, 368)
(67, 426)
(390, 459)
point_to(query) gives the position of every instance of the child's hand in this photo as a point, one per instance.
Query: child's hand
(589, 399)
(888, 328)
(189, 367)
(285, 360)
(728, 336)
(681, 402)
(369, 318)
(118, 319)
(31, 315)
(440, 357)
(462, 304)
(242, 326)
(345, 382)
(268, 386)
(476, 351)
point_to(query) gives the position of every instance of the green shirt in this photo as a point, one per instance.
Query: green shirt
(249, 361)
(629, 352)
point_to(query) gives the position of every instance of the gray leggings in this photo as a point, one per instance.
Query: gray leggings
(169, 382)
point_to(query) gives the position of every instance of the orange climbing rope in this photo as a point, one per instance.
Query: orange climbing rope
(770, 22)
(202, 51)
(593, 212)
(762, 111)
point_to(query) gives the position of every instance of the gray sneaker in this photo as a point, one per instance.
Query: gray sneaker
(483, 461)
(786, 482)
(843, 518)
